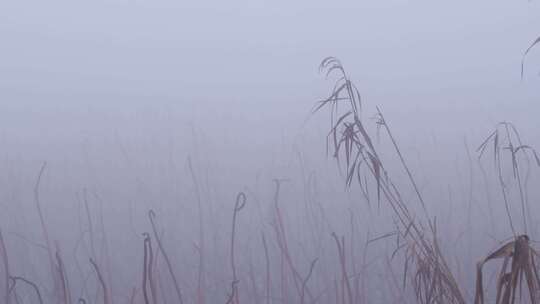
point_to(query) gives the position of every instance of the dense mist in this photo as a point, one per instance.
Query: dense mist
(269, 152)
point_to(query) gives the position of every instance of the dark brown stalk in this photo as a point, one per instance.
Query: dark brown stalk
(254, 289)
(44, 226)
(5, 261)
(17, 297)
(239, 204)
(345, 277)
(90, 224)
(31, 284)
(150, 266)
(234, 291)
(105, 246)
(403, 163)
(505, 197)
(279, 227)
(151, 216)
(506, 137)
(160, 283)
(133, 294)
(145, 268)
(304, 282)
(200, 292)
(63, 278)
(529, 48)
(268, 278)
(101, 282)
(488, 195)
(394, 282)
(202, 267)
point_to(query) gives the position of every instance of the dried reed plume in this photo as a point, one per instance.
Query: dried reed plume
(351, 140)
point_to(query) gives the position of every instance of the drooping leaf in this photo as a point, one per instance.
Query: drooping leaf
(532, 45)
(377, 172)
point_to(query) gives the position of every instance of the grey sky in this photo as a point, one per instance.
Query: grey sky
(245, 68)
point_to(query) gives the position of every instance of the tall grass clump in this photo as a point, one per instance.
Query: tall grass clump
(425, 264)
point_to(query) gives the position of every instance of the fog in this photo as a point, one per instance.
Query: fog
(114, 109)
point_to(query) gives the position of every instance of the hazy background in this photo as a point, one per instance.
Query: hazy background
(101, 83)
(116, 95)
(236, 70)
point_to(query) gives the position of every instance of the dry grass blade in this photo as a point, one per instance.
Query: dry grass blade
(509, 284)
(531, 46)
(506, 138)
